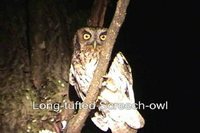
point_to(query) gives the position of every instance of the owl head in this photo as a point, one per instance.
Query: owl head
(89, 38)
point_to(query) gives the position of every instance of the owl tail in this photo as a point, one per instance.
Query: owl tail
(100, 121)
(135, 120)
(121, 127)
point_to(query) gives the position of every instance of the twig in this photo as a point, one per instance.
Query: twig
(77, 123)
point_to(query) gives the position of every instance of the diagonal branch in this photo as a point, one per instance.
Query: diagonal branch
(76, 124)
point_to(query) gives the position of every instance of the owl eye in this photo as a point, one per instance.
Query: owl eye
(86, 36)
(103, 37)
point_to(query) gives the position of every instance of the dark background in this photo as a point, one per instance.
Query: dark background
(149, 41)
(160, 40)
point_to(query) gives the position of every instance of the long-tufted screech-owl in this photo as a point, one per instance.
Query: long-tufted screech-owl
(117, 85)
(88, 43)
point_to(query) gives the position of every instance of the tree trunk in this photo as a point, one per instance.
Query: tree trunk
(35, 54)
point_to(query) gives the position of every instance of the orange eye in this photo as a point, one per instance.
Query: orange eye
(103, 37)
(86, 36)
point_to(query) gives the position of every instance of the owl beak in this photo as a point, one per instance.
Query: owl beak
(95, 45)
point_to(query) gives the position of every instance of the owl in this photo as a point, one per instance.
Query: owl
(88, 43)
(116, 102)
(116, 86)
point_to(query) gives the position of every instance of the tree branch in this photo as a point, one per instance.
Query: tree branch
(97, 13)
(76, 124)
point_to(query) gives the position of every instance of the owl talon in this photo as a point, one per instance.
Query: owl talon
(99, 97)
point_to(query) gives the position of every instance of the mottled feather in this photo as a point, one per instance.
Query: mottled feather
(117, 102)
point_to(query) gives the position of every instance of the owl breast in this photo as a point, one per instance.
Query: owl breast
(84, 66)
(88, 44)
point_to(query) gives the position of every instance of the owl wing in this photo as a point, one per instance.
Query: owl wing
(118, 80)
(82, 69)
(121, 75)
(73, 82)
(117, 88)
